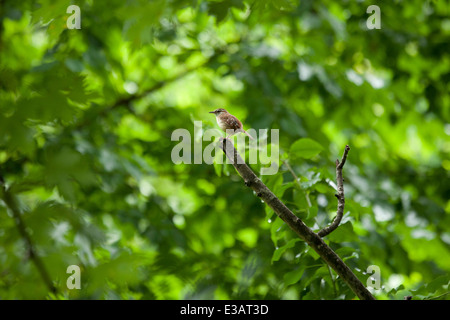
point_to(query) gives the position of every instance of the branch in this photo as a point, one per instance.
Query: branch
(295, 223)
(10, 202)
(437, 297)
(125, 101)
(339, 195)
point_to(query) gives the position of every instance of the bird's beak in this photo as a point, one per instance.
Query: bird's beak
(212, 112)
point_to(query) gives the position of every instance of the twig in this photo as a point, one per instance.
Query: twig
(332, 280)
(339, 195)
(437, 297)
(126, 100)
(308, 201)
(295, 223)
(10, 202)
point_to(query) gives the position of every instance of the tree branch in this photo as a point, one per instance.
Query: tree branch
(124, 101)
(10, 202)
(339, 195)
(295, 223)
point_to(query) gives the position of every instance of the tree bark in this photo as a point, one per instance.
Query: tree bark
(339, 195)
(295, 223)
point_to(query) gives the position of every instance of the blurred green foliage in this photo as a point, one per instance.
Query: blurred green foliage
(86, 118)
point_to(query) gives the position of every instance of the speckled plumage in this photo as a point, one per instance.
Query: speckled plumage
(227, 121)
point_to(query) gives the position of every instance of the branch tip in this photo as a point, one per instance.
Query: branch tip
(339, 196)
(297, 225)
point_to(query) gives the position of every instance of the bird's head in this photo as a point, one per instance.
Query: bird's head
(219, 111)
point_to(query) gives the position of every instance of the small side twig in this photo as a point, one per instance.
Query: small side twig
(438, 296)
(339, 195)
(295, 223)
(10, 202)
(308, 201)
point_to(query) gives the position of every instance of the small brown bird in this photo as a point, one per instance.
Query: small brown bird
(227, 121)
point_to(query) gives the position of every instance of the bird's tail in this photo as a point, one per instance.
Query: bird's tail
(247, 134)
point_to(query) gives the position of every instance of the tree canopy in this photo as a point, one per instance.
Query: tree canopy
(86, 123)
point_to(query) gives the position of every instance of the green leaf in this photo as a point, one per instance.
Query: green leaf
(323, 188)
(294, 276)
(279, 251)
(312, 211)
(305, 148)
(438, 283)
(308, 182)
(218, 168)
(276, 230)
(344, 232)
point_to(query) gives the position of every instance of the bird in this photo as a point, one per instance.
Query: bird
(227, 121)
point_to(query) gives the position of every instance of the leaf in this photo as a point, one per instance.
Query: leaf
(219, 9)
(249, 236)
(300, 200)
(280, 189)
(345, 252)
(269, 213)
(313, 178)
(438, 283)
(312, 211)
(279, 251)
(294, 276)
(305, 148)
(343, 233)
(218, 168)
(276, 228)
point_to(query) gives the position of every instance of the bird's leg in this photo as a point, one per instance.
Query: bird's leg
(230, 133)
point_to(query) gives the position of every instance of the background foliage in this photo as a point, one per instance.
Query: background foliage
(86, 118)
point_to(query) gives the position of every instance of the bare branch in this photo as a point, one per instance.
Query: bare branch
(295, 223)
(339, 195)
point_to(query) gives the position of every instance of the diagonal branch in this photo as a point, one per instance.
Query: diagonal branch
(124, 101)
(295, 223)
(10, 202)
(339, 195)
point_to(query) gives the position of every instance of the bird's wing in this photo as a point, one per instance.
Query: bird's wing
(233, 122)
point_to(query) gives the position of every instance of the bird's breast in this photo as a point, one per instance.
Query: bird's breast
(228, 122)
(222, 124)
